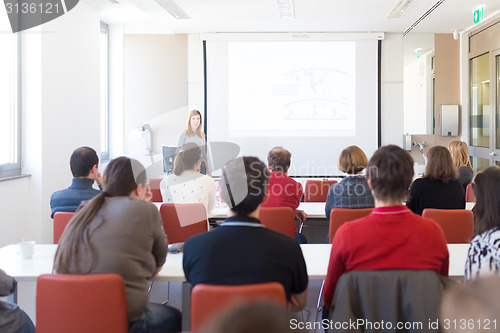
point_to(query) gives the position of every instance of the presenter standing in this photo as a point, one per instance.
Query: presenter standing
(194, 133)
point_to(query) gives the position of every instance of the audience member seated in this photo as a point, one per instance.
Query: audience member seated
(391, 237)
(473, 307)
(84, 167)
(186, 184)
(255, 317)
(438, 188)
(484, 252)
(119, 231)
(461, 160)
(12, 318)
(352, 191)
(283, 191)
(242, 250)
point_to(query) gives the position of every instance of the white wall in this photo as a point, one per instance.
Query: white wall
(392, 89)
(60, 113)
(155, 86)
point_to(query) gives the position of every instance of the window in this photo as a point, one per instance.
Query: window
(10, 102)
(104, 84)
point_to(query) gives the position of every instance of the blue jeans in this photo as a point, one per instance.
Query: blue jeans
(157, 318)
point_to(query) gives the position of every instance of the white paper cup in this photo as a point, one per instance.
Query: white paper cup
(26, 248)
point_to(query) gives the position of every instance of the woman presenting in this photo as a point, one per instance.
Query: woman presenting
(194, 133)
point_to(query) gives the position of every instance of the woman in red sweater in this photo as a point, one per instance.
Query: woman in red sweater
(391, 237)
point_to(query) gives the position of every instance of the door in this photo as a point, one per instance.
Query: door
(484, 140)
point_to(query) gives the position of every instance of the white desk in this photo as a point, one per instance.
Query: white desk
(316, 257)
(314, 210)
(26, 271)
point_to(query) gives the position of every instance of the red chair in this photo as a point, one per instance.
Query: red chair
(209, 300)
(280, 219)
(339, 216)
(181, 221)
(317, 190)
(469, 194)
(61, 220)
(457, 224)
(81, 303)
(154, 184)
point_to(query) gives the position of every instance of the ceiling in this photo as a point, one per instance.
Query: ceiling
(147, 16)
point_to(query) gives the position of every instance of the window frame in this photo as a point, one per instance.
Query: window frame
(105, 128)
(9, 170)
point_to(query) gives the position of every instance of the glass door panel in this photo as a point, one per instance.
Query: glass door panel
(480, 101)
(479, 164)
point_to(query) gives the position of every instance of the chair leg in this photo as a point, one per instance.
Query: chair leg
(318, 305)
(151, 286)
(168, 293)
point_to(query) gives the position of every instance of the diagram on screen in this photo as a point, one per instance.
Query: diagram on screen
(292, 88)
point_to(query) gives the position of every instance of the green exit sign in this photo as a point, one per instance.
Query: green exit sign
(478, 14)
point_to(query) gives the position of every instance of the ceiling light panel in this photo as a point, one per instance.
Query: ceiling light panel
(400, 8)
(173, 9)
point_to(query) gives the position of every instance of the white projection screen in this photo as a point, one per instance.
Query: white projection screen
(314, 97)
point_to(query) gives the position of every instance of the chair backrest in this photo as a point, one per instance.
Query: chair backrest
(154, 184)
(339, 216)
(469, 194)
(457, 224)
(317, 190)
(61, 220)
(81, 304)
(181, 221)
(208, 300)
(280, 219)
(410, 297)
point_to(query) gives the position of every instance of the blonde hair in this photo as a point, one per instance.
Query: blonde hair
(459, 153)
(189, 130)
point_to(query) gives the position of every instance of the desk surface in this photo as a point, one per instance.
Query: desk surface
(314, 210)
(316, 257)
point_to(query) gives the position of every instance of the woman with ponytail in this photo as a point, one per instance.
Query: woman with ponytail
(119, 231)
(186, 184)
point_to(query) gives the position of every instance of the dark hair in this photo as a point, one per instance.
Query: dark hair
(82, 161)
(121, 177)
(244, 184)
(187, 157)
(279, 159)
(440, 165)
(252, 317)
(352, 160)
(390, 171)
(486, 187)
